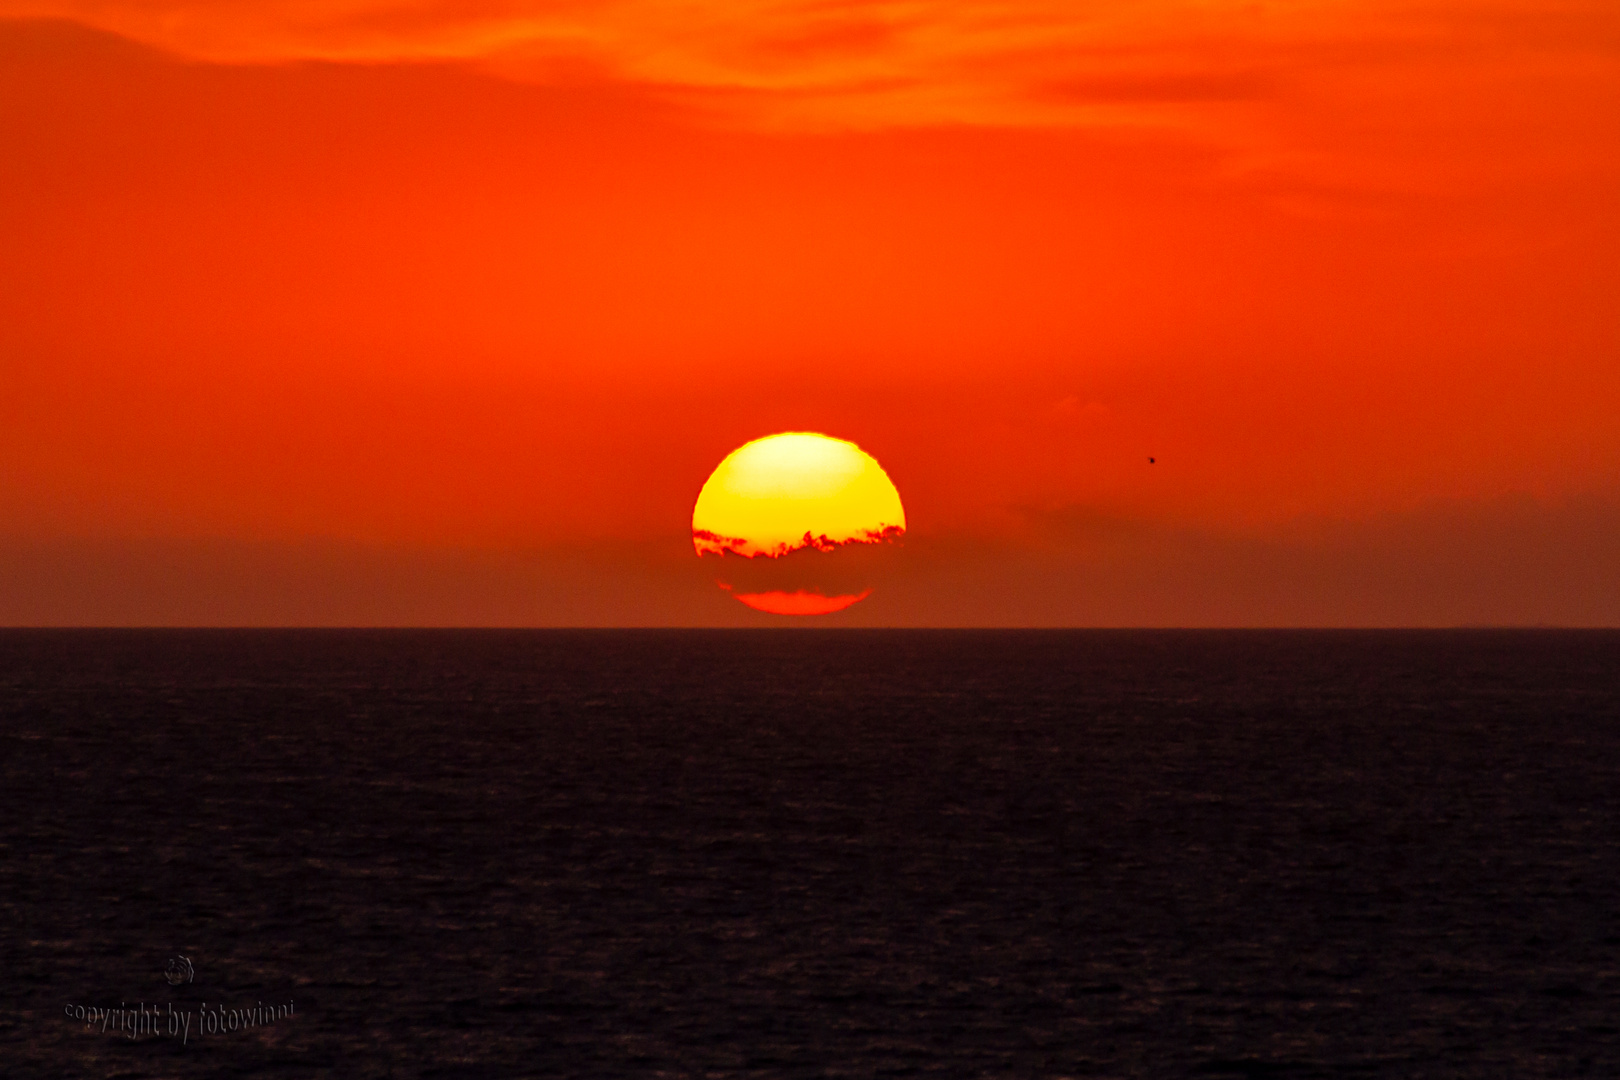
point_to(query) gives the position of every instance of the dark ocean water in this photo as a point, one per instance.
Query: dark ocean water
(805, 854)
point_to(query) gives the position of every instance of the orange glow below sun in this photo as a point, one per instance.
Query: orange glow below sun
(798, 603)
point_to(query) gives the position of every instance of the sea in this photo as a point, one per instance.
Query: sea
(809, 853)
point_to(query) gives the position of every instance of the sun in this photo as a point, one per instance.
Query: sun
(793, 490)
(775, 504)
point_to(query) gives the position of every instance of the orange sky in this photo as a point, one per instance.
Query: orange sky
(370, 312)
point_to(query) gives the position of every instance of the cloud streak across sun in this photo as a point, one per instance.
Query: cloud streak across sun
(882, 63)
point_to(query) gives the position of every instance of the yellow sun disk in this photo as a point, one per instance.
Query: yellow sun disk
(765, 496)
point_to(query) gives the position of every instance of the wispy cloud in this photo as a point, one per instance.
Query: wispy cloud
(867, 63)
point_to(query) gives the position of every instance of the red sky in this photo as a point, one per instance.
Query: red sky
(372, 312)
